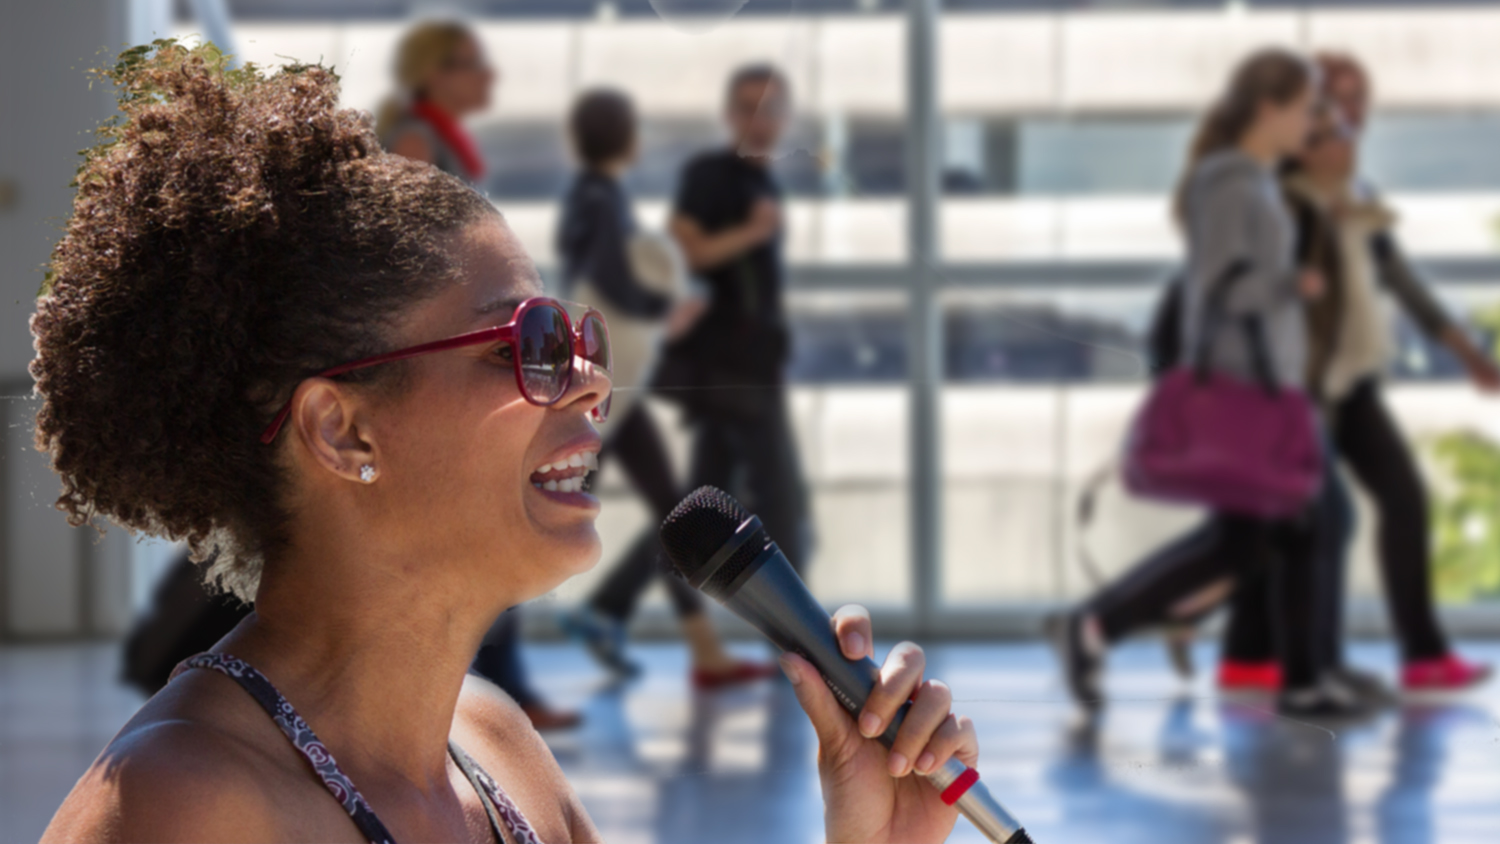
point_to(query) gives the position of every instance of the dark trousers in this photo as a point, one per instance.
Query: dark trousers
(1371, 445)
(1241, 549)
(499, 658)
(639, 448)
(754, 458)
(1249, 636)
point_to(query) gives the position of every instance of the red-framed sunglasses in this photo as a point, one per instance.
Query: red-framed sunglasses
(544, 343)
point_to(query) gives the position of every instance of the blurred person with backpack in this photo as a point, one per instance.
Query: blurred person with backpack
(637, 280)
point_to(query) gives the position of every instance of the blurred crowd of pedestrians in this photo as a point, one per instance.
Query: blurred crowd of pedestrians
(1271, 202)
(1289, 252)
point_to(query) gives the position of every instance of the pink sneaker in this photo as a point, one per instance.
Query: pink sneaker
(1447, 673)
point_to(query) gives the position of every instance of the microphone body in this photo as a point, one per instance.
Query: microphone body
(752, 577)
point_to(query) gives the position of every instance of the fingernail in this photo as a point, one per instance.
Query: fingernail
(897, 764)
(925, 762)
(790, 671)
(869, 723)
(854, 644)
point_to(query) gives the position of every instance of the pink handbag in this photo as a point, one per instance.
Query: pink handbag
(1211, 439)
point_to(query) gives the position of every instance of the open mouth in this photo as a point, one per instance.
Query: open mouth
(574, 473)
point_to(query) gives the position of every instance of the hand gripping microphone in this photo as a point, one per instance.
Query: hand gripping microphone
(725, 551)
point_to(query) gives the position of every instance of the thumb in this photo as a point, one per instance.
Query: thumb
(834, 726)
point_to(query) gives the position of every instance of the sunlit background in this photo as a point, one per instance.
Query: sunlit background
(966, 357)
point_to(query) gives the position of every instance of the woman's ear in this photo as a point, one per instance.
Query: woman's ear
(324, 417)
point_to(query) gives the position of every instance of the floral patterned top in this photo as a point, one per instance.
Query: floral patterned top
(506, 820)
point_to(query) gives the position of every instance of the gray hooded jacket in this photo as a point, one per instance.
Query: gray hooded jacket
(1232, 210)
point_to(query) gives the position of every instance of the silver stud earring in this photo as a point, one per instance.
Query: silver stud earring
(367, 473)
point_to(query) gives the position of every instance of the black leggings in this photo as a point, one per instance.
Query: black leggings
(641, 452)
(754, 457)
(1371, 445)
(1241, 549)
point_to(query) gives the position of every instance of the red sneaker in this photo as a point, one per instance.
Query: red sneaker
(1447, 673)
(1236, 676)
(705, 679)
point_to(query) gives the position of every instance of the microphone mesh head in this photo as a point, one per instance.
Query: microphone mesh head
(699, 527)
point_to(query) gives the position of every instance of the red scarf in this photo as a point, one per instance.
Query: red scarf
(454, 135)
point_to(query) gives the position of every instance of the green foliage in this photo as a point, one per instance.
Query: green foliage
(1466, 518)
(143, 76)
(139, 77)
(1488, 321)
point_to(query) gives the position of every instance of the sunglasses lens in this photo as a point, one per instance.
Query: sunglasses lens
(596, 342)
(597, 352)
(546, 354)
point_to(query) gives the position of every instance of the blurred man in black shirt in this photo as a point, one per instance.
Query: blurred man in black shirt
(728, 372)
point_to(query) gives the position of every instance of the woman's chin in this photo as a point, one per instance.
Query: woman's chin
(564, 527)
(573, 551)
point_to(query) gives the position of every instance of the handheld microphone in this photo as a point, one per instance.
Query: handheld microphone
(724, 551)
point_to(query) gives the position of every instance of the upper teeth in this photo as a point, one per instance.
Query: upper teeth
(587, 459)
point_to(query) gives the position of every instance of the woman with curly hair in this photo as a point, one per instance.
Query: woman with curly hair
(331, 368)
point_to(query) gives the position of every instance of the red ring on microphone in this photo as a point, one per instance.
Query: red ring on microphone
(960, 786)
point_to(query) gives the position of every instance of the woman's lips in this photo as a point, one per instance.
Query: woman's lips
(566, 478)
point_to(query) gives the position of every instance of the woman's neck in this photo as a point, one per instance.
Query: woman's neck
(373, 655)
(1259, 146)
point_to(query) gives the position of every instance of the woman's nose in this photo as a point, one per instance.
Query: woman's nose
(590, 389)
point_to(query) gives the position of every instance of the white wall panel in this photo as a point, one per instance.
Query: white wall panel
(1118, 227)
(45, 49)
(536, 62)
(534, 224)
(991, 63)
(366, 53)
(861, 66)
(865, 231)
(1445, 225)
(1144, 61)
(1010, 431)
(669, 71)
(848, 447)
(1436, 57)
(42, 560)
(277, 44)
(1449, 224)
(999, 229)
(111, 605)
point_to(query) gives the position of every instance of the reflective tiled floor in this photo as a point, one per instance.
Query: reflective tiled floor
(656, 763)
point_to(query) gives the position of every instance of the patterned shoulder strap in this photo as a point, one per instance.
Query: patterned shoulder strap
(301, 737)
(505, 816)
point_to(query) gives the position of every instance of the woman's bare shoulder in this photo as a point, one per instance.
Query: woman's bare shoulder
(490, 727)
(185, 768)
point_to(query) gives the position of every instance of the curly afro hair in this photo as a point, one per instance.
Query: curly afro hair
(233, 233)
